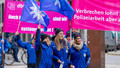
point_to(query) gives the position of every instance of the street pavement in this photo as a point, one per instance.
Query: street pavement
(17, 64)
(112, 59)
(114, 53)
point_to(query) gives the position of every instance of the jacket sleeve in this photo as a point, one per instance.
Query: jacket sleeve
(69, 57)
(37, 41)
(88, 57)
(69, 62)
(6, 45)
(21, 43)
(55, 58)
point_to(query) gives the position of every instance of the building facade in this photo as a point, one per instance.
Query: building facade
(1, 12)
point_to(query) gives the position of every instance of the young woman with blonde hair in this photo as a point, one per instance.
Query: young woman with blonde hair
(60, 50)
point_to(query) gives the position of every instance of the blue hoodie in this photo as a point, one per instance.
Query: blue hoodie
(6, 47)
(80, 59)
(62, 55)
(30, 50)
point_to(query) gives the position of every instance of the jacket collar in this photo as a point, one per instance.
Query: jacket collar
(44, 45)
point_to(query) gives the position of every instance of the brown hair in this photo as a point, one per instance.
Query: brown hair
(59, 44)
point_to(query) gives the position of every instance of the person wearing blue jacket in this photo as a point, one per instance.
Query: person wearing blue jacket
(30, 50)
(60, 50)
(6, 47)
(11, 40)
(44, 51)
(80, 54)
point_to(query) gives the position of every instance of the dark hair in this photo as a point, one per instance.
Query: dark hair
(77, 35)
(57, 30)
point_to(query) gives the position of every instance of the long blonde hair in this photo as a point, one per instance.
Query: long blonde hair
(59, 44)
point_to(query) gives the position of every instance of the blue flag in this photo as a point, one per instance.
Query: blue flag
(61, 6)
(31, 14)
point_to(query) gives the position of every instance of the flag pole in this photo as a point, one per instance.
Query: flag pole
(70, 34)
(40, 19)
(18, 26)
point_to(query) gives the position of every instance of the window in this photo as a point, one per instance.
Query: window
(0, 13)
(113, 34)
(23, 37)
(119, 34)
(29, 37)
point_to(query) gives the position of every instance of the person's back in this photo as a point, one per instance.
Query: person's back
(30, 51)
(11, 40)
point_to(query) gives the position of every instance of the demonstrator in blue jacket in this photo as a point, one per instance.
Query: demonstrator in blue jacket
(80, 54)
(44, 51)
(60, 50)
(31, 63)
(6, 46)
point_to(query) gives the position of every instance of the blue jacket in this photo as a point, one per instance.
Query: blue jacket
(13, 44)
(46, 59)
(80, 59)
(30, 50)
(6, 47)
(62, 55)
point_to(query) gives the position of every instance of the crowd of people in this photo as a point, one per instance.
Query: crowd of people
(46, 52)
